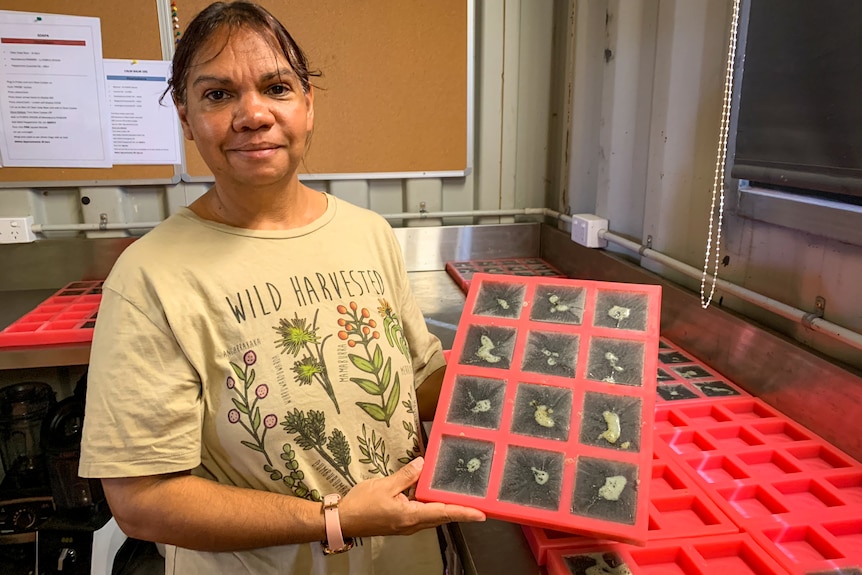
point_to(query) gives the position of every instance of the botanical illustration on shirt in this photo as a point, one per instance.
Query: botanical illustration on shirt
(247, 413)
(301, 339)
(298, 336)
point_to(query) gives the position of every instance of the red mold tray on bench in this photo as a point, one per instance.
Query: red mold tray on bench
(678, 509)
(758, 466)
(545, 414)
(463, 271)
(732, 554)
(67, 316)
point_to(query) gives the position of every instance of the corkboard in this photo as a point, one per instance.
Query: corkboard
(394, 93)
(130, 29)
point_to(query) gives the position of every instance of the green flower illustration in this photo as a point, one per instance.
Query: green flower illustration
(297, 336)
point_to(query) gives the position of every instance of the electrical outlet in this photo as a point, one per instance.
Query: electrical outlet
(17, 230)
(586, 228)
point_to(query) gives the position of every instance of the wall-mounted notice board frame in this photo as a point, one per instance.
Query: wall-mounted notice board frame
(396, 96)
(130, 29)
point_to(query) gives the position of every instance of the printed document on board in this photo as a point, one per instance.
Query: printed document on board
(53, 99)
(144, 130)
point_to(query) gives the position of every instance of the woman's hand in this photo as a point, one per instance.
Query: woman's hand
(379, 507)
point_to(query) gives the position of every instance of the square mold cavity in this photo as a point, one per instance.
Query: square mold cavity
(703, 414)
(781, 431)
(807, 496)
(611, 421)
(685, 515)
(488, 346)
(669, 357)
(734, 437)
(716, 388)
(558, 304)
(718, 470)
(463, 466)
(816, 457)
(804, 546)
(551, 353)
(752, 501)
(848, 485)
(735, 555)
(848, 534)
(499, 299)
(542, 411)
(675, 392)
(616, 361)
(665, 480)
(687, 442)
(532, 477)
(749, 409)
(768, 464)
(477, 401)
(606, 489)
(621, 310)
(691, 372)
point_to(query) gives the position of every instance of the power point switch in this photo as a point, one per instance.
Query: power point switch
(586, 228)
(17, 230)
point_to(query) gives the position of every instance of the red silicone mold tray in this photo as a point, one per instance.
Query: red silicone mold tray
(462, 272)
(681, 377)
(546, 412)
(758, 466)
(678, 509)
(734, 554)
(68, 316)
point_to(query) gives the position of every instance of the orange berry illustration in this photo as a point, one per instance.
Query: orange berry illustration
(342, 322)
(353, 305)
(342, 335)
(365, 312)
(341, 309)
(376, 335)
(351, 343)
(372, 323)
(365, 329)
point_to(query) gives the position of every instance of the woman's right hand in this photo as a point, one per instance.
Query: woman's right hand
(379, 507)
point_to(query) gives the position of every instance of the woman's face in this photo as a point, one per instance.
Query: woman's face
(246, 111)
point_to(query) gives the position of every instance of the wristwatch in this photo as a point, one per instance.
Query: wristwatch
(335, 540)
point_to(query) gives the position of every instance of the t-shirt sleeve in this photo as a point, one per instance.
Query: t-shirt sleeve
(144, 409)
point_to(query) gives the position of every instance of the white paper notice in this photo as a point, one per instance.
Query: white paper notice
(145, 131)
(53, 103)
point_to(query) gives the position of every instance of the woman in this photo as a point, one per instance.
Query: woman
(257, 353)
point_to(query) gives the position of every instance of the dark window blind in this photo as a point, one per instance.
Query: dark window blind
(800, 106)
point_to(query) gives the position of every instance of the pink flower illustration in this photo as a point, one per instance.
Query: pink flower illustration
(261, 391)
(233, 415)
(270, 420)
(250, 357)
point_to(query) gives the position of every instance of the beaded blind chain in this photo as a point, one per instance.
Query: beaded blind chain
(720, 161)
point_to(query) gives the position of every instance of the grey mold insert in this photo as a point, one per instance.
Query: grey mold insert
(488, 346)
(715, 388)
(616, 361)
(542, 411)
(551, 354)
(692, 372)
(675, 391)
(611, 421)
(606, 490)
(499, 299)
(558, 304)
(532, 477)
(476, 401)
(463, 466)
(621, 310)
(608, 563)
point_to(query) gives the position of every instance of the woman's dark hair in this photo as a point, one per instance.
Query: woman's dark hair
(233, 16)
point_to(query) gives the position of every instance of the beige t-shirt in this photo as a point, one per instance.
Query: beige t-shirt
(284, 361)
